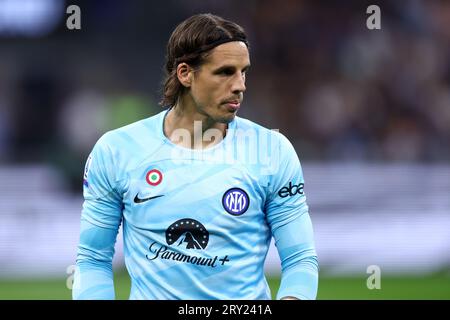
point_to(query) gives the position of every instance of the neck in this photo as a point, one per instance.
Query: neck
(187, 127)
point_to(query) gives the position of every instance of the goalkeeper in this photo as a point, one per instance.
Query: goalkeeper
(198, 213)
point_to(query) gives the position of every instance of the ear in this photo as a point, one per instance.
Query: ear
(185, 74)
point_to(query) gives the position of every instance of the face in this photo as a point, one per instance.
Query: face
(217, 87)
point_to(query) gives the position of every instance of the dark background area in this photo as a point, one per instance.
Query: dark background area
(339, 91)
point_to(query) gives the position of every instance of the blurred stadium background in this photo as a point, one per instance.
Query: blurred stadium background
(368, 112)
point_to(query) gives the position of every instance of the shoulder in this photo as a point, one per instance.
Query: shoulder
(273, 136)
(134, 135)
(127, 146)
(246, 124)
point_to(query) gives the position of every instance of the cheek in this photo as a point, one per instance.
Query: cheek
(201, 95)
(207, 93)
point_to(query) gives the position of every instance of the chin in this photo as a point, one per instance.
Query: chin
(226, 119)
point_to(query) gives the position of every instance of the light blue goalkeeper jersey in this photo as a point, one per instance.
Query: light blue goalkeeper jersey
(197, 224)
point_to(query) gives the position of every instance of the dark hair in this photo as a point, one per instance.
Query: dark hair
(191, 42)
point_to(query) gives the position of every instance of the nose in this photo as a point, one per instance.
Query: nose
(238, 85)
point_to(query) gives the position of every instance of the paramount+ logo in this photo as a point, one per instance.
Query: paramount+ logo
(291, 190)
(189, 234)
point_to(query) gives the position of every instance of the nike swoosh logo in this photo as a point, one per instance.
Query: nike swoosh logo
(139, 200)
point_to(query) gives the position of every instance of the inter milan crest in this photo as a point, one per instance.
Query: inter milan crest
(235, 201)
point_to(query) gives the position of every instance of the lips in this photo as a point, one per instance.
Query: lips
(233, 105)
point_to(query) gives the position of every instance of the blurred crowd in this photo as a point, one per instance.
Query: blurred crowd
(338, 90)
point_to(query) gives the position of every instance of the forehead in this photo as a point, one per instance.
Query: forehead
(234, 53)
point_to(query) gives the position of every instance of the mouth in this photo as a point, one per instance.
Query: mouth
(233, 105)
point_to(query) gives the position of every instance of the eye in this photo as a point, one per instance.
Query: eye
(227, 72)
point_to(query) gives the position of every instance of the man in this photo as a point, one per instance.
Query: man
(198, 214)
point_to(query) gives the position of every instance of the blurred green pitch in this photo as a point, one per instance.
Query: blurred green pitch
(436, 286)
